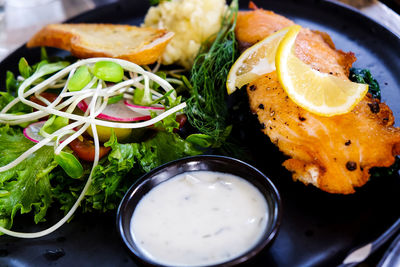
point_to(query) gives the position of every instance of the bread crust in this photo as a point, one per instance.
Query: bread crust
(76, 38)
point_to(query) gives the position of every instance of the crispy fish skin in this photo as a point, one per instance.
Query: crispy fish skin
(335, 153)
(253, 26)
(313, 47)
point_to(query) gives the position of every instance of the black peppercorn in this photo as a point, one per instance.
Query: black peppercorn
(374, 107)
(351, 165)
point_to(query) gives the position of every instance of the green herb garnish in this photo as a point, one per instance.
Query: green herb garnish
(207, 110)
(156, 2)
(365, 76)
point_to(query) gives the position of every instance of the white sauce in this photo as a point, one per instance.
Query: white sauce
(199, 218)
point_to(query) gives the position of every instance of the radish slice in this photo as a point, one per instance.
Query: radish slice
(115, 112)
(32, 133)
(145, 110)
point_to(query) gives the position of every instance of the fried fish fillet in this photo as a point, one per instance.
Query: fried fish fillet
(335, 153)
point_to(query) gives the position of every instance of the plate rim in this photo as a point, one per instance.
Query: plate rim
(329, 3)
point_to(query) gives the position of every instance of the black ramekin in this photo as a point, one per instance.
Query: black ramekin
(200, 163)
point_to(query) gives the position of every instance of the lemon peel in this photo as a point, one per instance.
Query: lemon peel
(256, 61)
(320, 93)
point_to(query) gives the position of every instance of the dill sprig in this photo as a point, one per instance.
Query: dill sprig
(207, 110)
(156, 2)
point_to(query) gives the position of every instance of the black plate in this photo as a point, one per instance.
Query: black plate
(318, 229)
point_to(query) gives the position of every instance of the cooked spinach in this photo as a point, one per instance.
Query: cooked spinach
(388, 171)
(364, 76)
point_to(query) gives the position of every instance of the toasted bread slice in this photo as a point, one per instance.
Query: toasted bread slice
(139, 45)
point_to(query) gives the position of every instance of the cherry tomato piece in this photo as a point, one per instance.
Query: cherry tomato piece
(85, 149)
(49, 96)
(181, 119)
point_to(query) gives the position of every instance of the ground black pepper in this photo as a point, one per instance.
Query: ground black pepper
(351, 165)
(374, 107)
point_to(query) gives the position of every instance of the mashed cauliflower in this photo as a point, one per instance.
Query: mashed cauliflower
(192, 21)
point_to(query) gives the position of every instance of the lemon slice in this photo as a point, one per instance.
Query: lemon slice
(319, 93)
(255, 61)
(104, 133)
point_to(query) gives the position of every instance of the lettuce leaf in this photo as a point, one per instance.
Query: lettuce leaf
(123, 166)
(25, 187)
(164, 147)
(6, 98)
(127, 162)
(37, 182)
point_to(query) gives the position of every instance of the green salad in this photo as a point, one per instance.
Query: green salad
(79, 133)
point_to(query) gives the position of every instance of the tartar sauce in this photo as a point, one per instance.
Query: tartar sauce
(199, 218)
